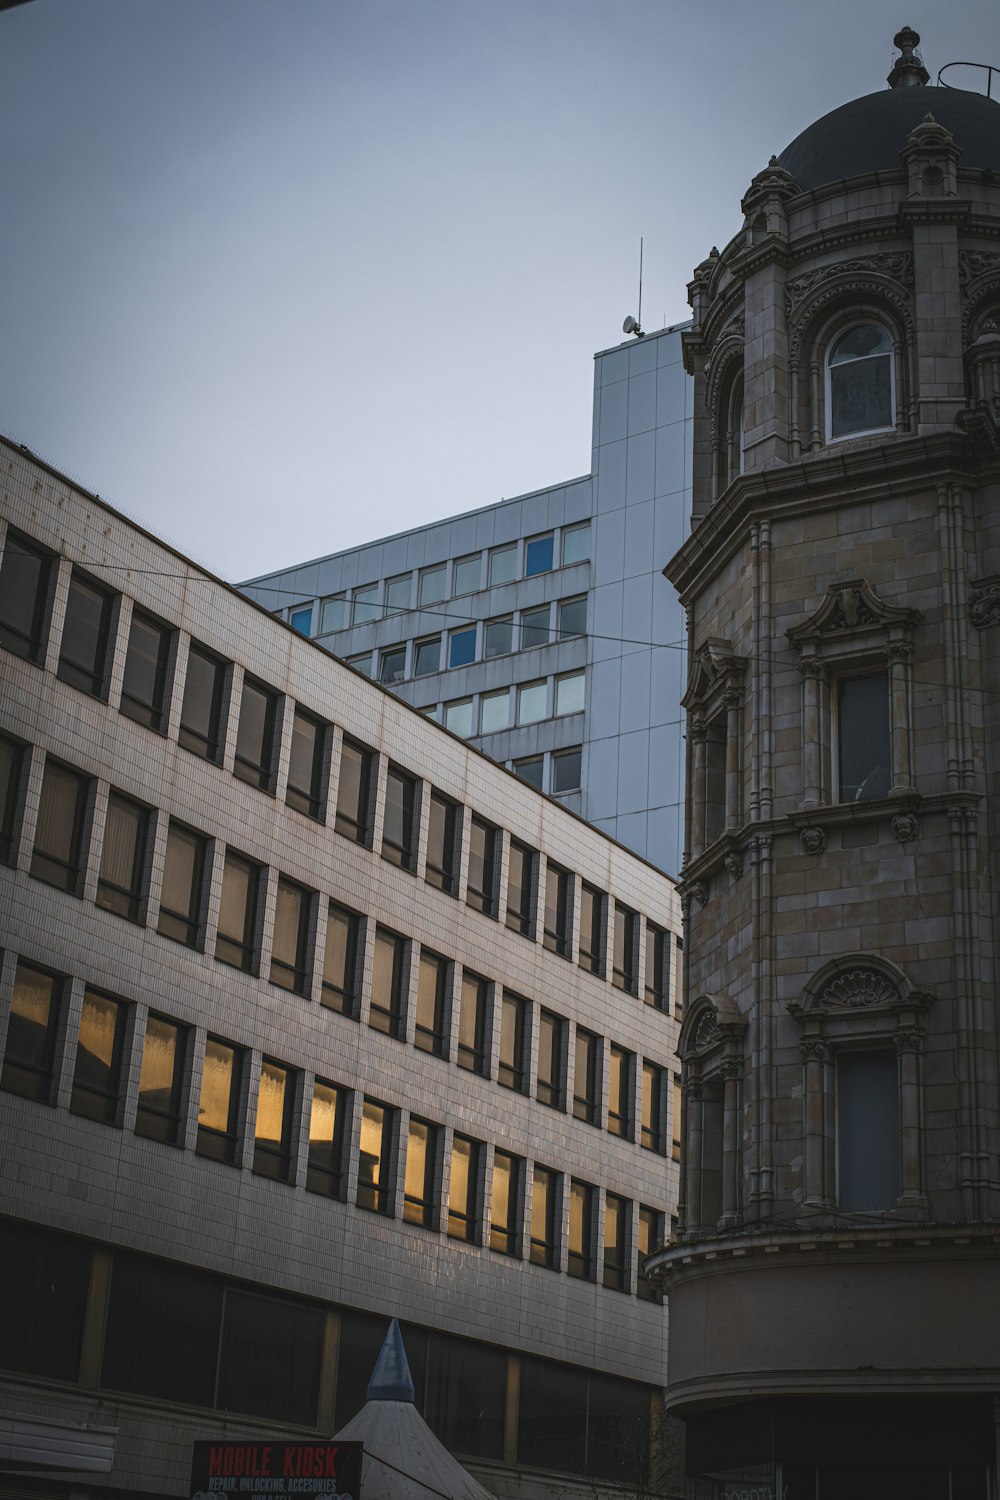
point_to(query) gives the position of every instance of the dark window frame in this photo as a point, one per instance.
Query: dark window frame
(557, 925)
(19, 1073)
(207, 746)
(653, 1136)
(377, 1197)
(310, 800)
(402, 851)
(172, 1117)
(134, 894)
(474, 1058)
(194, 920)
(550, 1087)
(30, 644)
(242, 952)
(393, 1014)
(90, 677)
(348, 991)
(329, 1179)
(442, 867)
(483, 897)
(656, 978)
(620, 1121)
(581, 1262)
(422, 1209)
(653, 1220)
(433, 1039)
(559, 758)
(522, 918)
(464, 1222)
(592, 943)
(625, 969)
(505, 1238)
(615, 1260)
(152, 713)
(294, 976)
(259, 773)
(12, 808)
(587, 1102)
(223, 1145)
(90, 1100)
(277, 1161)
(356, 824)
(544, 1249)
(513, 1074)
(75, 866)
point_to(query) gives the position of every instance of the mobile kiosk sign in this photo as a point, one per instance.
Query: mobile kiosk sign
(228, 1471)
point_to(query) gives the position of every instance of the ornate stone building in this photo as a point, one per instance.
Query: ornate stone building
(833, 1284)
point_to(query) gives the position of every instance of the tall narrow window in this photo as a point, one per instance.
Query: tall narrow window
(513, 1016)
(32, 1032)
(255, 736)
(340, 961)
(621, 1070)
(521, 887)
(25, 597)
(549, 1087)
(557, 894)
(97, 1077)
(219, 1105)
(442, 864)
(544, 1218)
(183, 882)
(625, 975)
(615, 1242)
(274, 1132)
(472, 1018)
(868, 1178)
(161, 1078)
(201, 709)
(386, 1010)
(307, 765)
(354, 793)
(236, 940)
(582, 1201)
(592, 922)
(327, 1129)
(505, 1203)
(482, 882)
(59, 833)
(123, 858)
(147, 661)
(586, 1076)
(677, 1096)
(375, 1156)
(419, 1193)
(290, 944)
(83, 654)
(654, 1108)
(432, 996)
(11, 770)
(649, 1236)
(657, 987)
(863, 738)
(463, 1194)
(860, 388)
(399, 828)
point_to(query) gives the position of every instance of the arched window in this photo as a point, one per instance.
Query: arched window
(859, 387)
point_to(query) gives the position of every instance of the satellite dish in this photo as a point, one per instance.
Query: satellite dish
(630, 325)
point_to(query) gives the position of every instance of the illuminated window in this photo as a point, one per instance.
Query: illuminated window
(586, 1076)
(161, 1078)
(549, 1084)
(432, 997)
(386, 1010)
(419, 1193)
(274, 1133)
(580, 1261)
(513, 1029)
(505, 1203)
(219, 1105)
(621, 1071)
(374, 1157)
(463, 1194)
(97, 1076)
(615, 1242)
(472, 1024)
(544, 1208)
(327, 1132)
(32, 1033)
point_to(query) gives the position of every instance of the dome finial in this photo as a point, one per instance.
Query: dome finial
(908, 69)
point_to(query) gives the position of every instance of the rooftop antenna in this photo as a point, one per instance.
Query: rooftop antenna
(631, 325)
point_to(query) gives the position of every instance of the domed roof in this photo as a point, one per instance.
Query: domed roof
(868, 134)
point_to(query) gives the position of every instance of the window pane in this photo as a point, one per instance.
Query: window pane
(365, 604)
(340, 961)
(183, 877)
(325, 1170)
(145, 680)
(543, 1218)
(31, 1033)
(504, 1203)
(201, 710)
(58, 849)
(463, 1208)
(458, 717)
(432, 985)
(427, 657)
(650, 1235)
(531, 770)
(512, 1018)
(503, 564)
(290, 944)
(538, 556)
(397, 594)
(549, 1084)
(47, 1277)
(576, 544)
(305, 766)
(442, 828)
(615, 1242)
(861, 381)
(372, 1166)
(432, 585)
(255, 735)
(218, 1108)
(498, 638)
(495, 712)
(464, 1401)
(580, 1260)
(520, 887)
(592, 907)
(654, 1135)
(556, 932)
(361, 663)
(572, 618)
(123, 858)
(25, 574)
(275, 1126)
(620, 1092)
(468, 571)
(11, 767)
(618, 1432)
(301, 620)
(421, 1150)
(160, 1079)
(399, 824)
(84, 650)
(657, 988)
(392, 666)
(386, 1011)
(270, 1360)
(585, 1075)
(569, 694)
(867, 1131)
(354, 793)
(532, 703)
(236, 938)
(626, 935)
(162, 1337)
(472, 1024)
(462, 647)
(96, 1078)
(481, 885)
(333, 614)
(535, 629)
(567, 767)
(863, 737)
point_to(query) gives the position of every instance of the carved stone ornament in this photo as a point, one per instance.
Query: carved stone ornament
(814, 1049)
(813, 840)
(984, 602)
(975, 263)
(858, 989)
(731, 1067)
(734, 863)
(706, 1032)
(852, 607)
(909, 1041)
(693, 1087)
(896, 265)
(699, 890)
(905, 826)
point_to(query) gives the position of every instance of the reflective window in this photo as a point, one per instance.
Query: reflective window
(201, 711)
(654, 1108)
(625, 975)
(333, 614)
(586, 1076)
(374, 1155)
(657, 987)
(503, 564)
(83, 655)
(532, 702)
(392, 666)
(567, 766)
(25, 596)
(163, 1328)
(307, 765)
(505, 1203)
(421, 1172)
(399, 826)
(481, 885)
(123, 857)
(147, 661)
(513, 1039)
(255, 747)
(463, 1192)
(615, 1242)
(649, 1237)
(867, 1131)
(386, 1011)
(340, 961)
(592, 923)
(327, 1133)
(361, 663)
(462, 647)
(365, 604)
(458, 717)
(531, 769)
(538, 555)
(575, 544)
(498, 637)
(556, 935)
(236, 939)
(621, 1069)
(32, 1031)
(97, 1074)
(183, 882)
(432, 999)
(47, 1276)
(677, 1100)
(302, 620)
(427, 657)
(442, 853)
(12, 760)
(472, 1024)
(549, 1084)
(433, 584)
(397, 594)
(860, 381)
(572, 617)
(520, 887)
(535, 627)
(494, 712)
(863, 737)
(290, 943)
(161, 1078)
(354, 798)
(465, 1395)
(582, 1203)
(219, 1105)
(544, 1204)
(468, 574)
(569, 693)
(274, 1131)
(269, 1362)
(59, 832)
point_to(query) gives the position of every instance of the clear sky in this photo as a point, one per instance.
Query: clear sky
(279, 276)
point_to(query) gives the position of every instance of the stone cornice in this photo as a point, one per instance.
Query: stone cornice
(935, 211)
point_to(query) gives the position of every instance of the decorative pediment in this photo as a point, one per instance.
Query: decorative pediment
(859, 984)
(715, 670)
(711, 1021)
(849, 609)
(895, 265)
